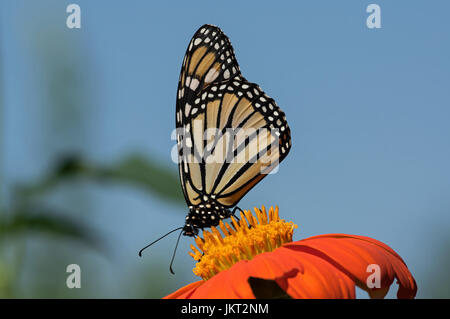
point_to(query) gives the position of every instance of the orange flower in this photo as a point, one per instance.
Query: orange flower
(257, 258)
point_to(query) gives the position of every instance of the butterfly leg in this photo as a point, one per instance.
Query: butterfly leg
(233, 212)
(194, 231)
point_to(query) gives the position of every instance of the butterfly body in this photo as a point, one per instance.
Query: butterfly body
(230, 134)
(204, 215)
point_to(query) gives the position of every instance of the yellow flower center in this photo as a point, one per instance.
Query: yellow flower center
(252, 235)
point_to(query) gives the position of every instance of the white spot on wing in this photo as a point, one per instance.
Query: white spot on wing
(188, 142)
(211, 75)
(187, 109)
(194, 84)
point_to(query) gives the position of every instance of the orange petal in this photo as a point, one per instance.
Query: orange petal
(352, 255)
(326, 266)
(233, 283)
(185, 292)
(301, 275)
(316, 278)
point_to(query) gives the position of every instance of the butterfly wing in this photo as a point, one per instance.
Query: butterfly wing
(209, 59)
(230, 133)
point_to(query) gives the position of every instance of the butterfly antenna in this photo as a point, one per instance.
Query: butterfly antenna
(140, 251)
(174, 252)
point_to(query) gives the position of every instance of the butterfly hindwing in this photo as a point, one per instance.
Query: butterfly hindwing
(236, 139)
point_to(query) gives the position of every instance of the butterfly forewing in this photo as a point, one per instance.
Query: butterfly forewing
(209, 59)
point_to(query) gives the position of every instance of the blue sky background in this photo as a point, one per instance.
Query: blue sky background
(369, 112)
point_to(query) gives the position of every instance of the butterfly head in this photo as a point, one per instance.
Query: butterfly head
(189, 230)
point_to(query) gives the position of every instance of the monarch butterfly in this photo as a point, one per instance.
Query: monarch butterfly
(246, 124)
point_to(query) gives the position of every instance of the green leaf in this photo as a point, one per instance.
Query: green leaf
(21, 223)
(148, 174)
(135, 170)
